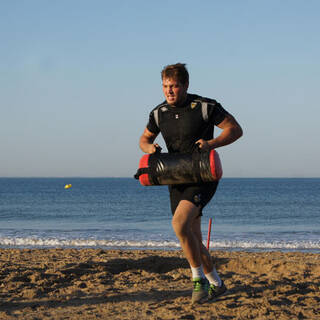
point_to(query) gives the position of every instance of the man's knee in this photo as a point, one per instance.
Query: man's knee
(183, 218)
(180, 226)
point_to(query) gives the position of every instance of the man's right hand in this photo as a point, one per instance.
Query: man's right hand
(146, 142)
(152, 148)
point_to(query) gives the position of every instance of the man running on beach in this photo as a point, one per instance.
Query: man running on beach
(184, 127)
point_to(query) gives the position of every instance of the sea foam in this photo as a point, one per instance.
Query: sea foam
(166, 245)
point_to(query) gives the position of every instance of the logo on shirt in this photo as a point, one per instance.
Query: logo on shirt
(197, 199)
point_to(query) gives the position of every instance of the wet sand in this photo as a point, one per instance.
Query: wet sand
(147, 284)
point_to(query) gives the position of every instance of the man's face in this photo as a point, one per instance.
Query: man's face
(174, 91)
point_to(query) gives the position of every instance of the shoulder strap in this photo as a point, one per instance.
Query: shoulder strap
(204, 110)
(156, 116)
(156, 113)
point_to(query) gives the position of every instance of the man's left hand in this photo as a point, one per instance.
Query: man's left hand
(203, 145)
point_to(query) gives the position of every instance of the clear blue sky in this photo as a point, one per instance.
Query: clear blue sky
(79, 78)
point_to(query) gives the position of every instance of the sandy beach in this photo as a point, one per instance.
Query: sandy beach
(152, 284)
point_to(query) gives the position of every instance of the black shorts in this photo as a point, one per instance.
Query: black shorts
(198, 194)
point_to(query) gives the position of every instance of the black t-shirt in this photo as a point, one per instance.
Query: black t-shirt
(182, 126)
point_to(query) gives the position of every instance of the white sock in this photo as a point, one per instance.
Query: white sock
(197, 272)
(214, 278)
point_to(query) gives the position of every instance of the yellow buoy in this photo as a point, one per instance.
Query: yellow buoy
(68, 186)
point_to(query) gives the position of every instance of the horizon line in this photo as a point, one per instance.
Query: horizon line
(119, 177)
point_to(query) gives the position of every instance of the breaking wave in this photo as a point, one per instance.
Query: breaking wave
(165, 245)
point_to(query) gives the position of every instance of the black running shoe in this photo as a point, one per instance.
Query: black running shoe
(215, 291)
(200, 290)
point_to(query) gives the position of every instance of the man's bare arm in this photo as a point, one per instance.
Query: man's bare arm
(231, 131)
(146, 142)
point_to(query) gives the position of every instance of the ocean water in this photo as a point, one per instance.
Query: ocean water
(248, 214)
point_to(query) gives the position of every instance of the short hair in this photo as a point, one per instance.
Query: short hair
(176, 71)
